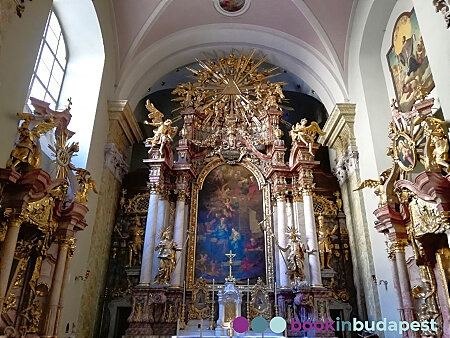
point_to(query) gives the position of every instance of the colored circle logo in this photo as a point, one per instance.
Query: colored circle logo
(259, 324)
(277, 324)
(240, 324)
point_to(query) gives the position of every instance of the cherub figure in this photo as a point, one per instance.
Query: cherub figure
(27, 150)
(300, 132)
(164, 133)
(85, 183)
(436, 150)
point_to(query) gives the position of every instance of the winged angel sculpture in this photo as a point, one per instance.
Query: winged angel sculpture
(28, 150)
(378, 185)
(300, 132)
(164, 131)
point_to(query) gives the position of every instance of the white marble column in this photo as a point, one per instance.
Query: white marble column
(281, 235)
(161, 222)
(7, 256)
(311, 239)
(448, 237)
(179, 236)
(55, 290)
(299, 223)
(149, 239)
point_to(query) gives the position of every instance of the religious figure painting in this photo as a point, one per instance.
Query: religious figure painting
(408, 61)
(230, 206)
(405, 152)
(231, 5)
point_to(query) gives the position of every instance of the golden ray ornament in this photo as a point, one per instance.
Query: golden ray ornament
(63, 153)
(231, 87)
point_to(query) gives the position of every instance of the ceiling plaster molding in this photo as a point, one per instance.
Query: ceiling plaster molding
(181, 48)
(145, 29)
(323, 36)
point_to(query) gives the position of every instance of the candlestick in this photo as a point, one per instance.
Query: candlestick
(183, 308)
(248, 298)
(212, 324)
(276, 300)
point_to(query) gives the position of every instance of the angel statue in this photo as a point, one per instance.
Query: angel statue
(85, 183)
(167, 258)
(436, 148)
(378, 185)
(300, 132)
(164, 133)
(27, 150)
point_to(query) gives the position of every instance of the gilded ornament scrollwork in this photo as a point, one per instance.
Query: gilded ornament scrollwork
(138, 204)
(426, 219)
(10, 303)
(323, 206)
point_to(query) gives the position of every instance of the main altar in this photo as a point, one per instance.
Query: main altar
(227, 220)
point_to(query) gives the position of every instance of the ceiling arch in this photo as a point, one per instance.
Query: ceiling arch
(182, 47)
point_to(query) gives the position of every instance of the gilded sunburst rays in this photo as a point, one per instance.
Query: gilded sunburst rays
(63, 153)
(231, 86)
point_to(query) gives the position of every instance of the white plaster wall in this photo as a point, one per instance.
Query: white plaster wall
(21, 41)
(367, 88)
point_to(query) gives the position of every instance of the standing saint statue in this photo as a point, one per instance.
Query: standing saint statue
(136, 242)
(167, 258)
(325, 245)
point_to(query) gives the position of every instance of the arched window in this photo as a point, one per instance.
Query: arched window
(50, 65)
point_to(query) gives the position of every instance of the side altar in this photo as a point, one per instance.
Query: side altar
(230, 222)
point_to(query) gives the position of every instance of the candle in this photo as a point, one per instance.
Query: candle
(275, 292)
(248, 290)
(184, 292)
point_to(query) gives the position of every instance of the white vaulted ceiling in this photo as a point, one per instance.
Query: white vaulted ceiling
(307, 37)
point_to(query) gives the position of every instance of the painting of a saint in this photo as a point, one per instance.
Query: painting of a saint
(408, 61)
(405, 152)
(230, 206)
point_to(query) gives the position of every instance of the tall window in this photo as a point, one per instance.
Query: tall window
(50, 65)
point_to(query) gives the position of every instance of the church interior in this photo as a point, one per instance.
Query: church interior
(224, 168)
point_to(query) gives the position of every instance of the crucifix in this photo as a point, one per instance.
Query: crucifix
(230, 255)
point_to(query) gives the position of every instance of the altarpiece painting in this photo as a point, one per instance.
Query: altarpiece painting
(408, 61)
(230, 206)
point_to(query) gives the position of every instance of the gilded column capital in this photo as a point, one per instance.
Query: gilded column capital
(65, 242)
(182, 195)
(154, 188)
(308, 189)
(396, 245)
(279, 196)
(297, 195)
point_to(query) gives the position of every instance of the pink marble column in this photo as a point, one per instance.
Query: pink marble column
(396, 282)
(55, 291)
(7, 256)
(64, 283)
(405, 286)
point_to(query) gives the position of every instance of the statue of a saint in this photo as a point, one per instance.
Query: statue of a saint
(295, 258)
(27, 150)
(167, 258)
(136, 242)
(325, 245)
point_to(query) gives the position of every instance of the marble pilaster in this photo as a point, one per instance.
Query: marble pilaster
(149, 239)
(396, 282)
